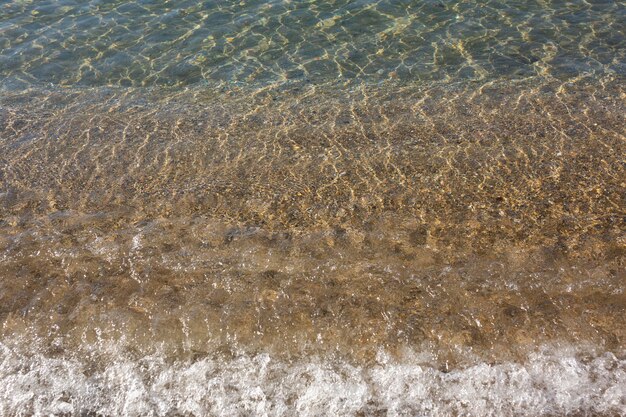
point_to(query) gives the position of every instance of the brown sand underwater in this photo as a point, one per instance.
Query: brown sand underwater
(444, 227)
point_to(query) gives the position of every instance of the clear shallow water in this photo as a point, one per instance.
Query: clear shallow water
(292, 208)
(148, 43)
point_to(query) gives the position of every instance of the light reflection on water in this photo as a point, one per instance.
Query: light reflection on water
(146, 43)
(339, 194)
(486, 217)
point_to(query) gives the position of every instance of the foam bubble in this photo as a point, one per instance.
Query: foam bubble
(550, 382)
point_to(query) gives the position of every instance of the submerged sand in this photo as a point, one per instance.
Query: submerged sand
(466, 233)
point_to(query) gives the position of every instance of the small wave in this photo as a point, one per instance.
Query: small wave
(549, 382)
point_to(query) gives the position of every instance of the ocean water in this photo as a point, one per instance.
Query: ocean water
(306, 208)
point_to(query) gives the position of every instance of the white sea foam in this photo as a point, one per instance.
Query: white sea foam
(547, 383)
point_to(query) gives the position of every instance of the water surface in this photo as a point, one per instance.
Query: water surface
(312, 208)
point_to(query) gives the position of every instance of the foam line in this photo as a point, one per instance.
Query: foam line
(550, 382)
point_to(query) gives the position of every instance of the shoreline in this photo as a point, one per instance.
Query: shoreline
(551, 382)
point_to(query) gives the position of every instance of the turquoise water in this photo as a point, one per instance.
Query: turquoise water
(148, 43)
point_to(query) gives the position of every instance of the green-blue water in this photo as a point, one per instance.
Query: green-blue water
(147, 43)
